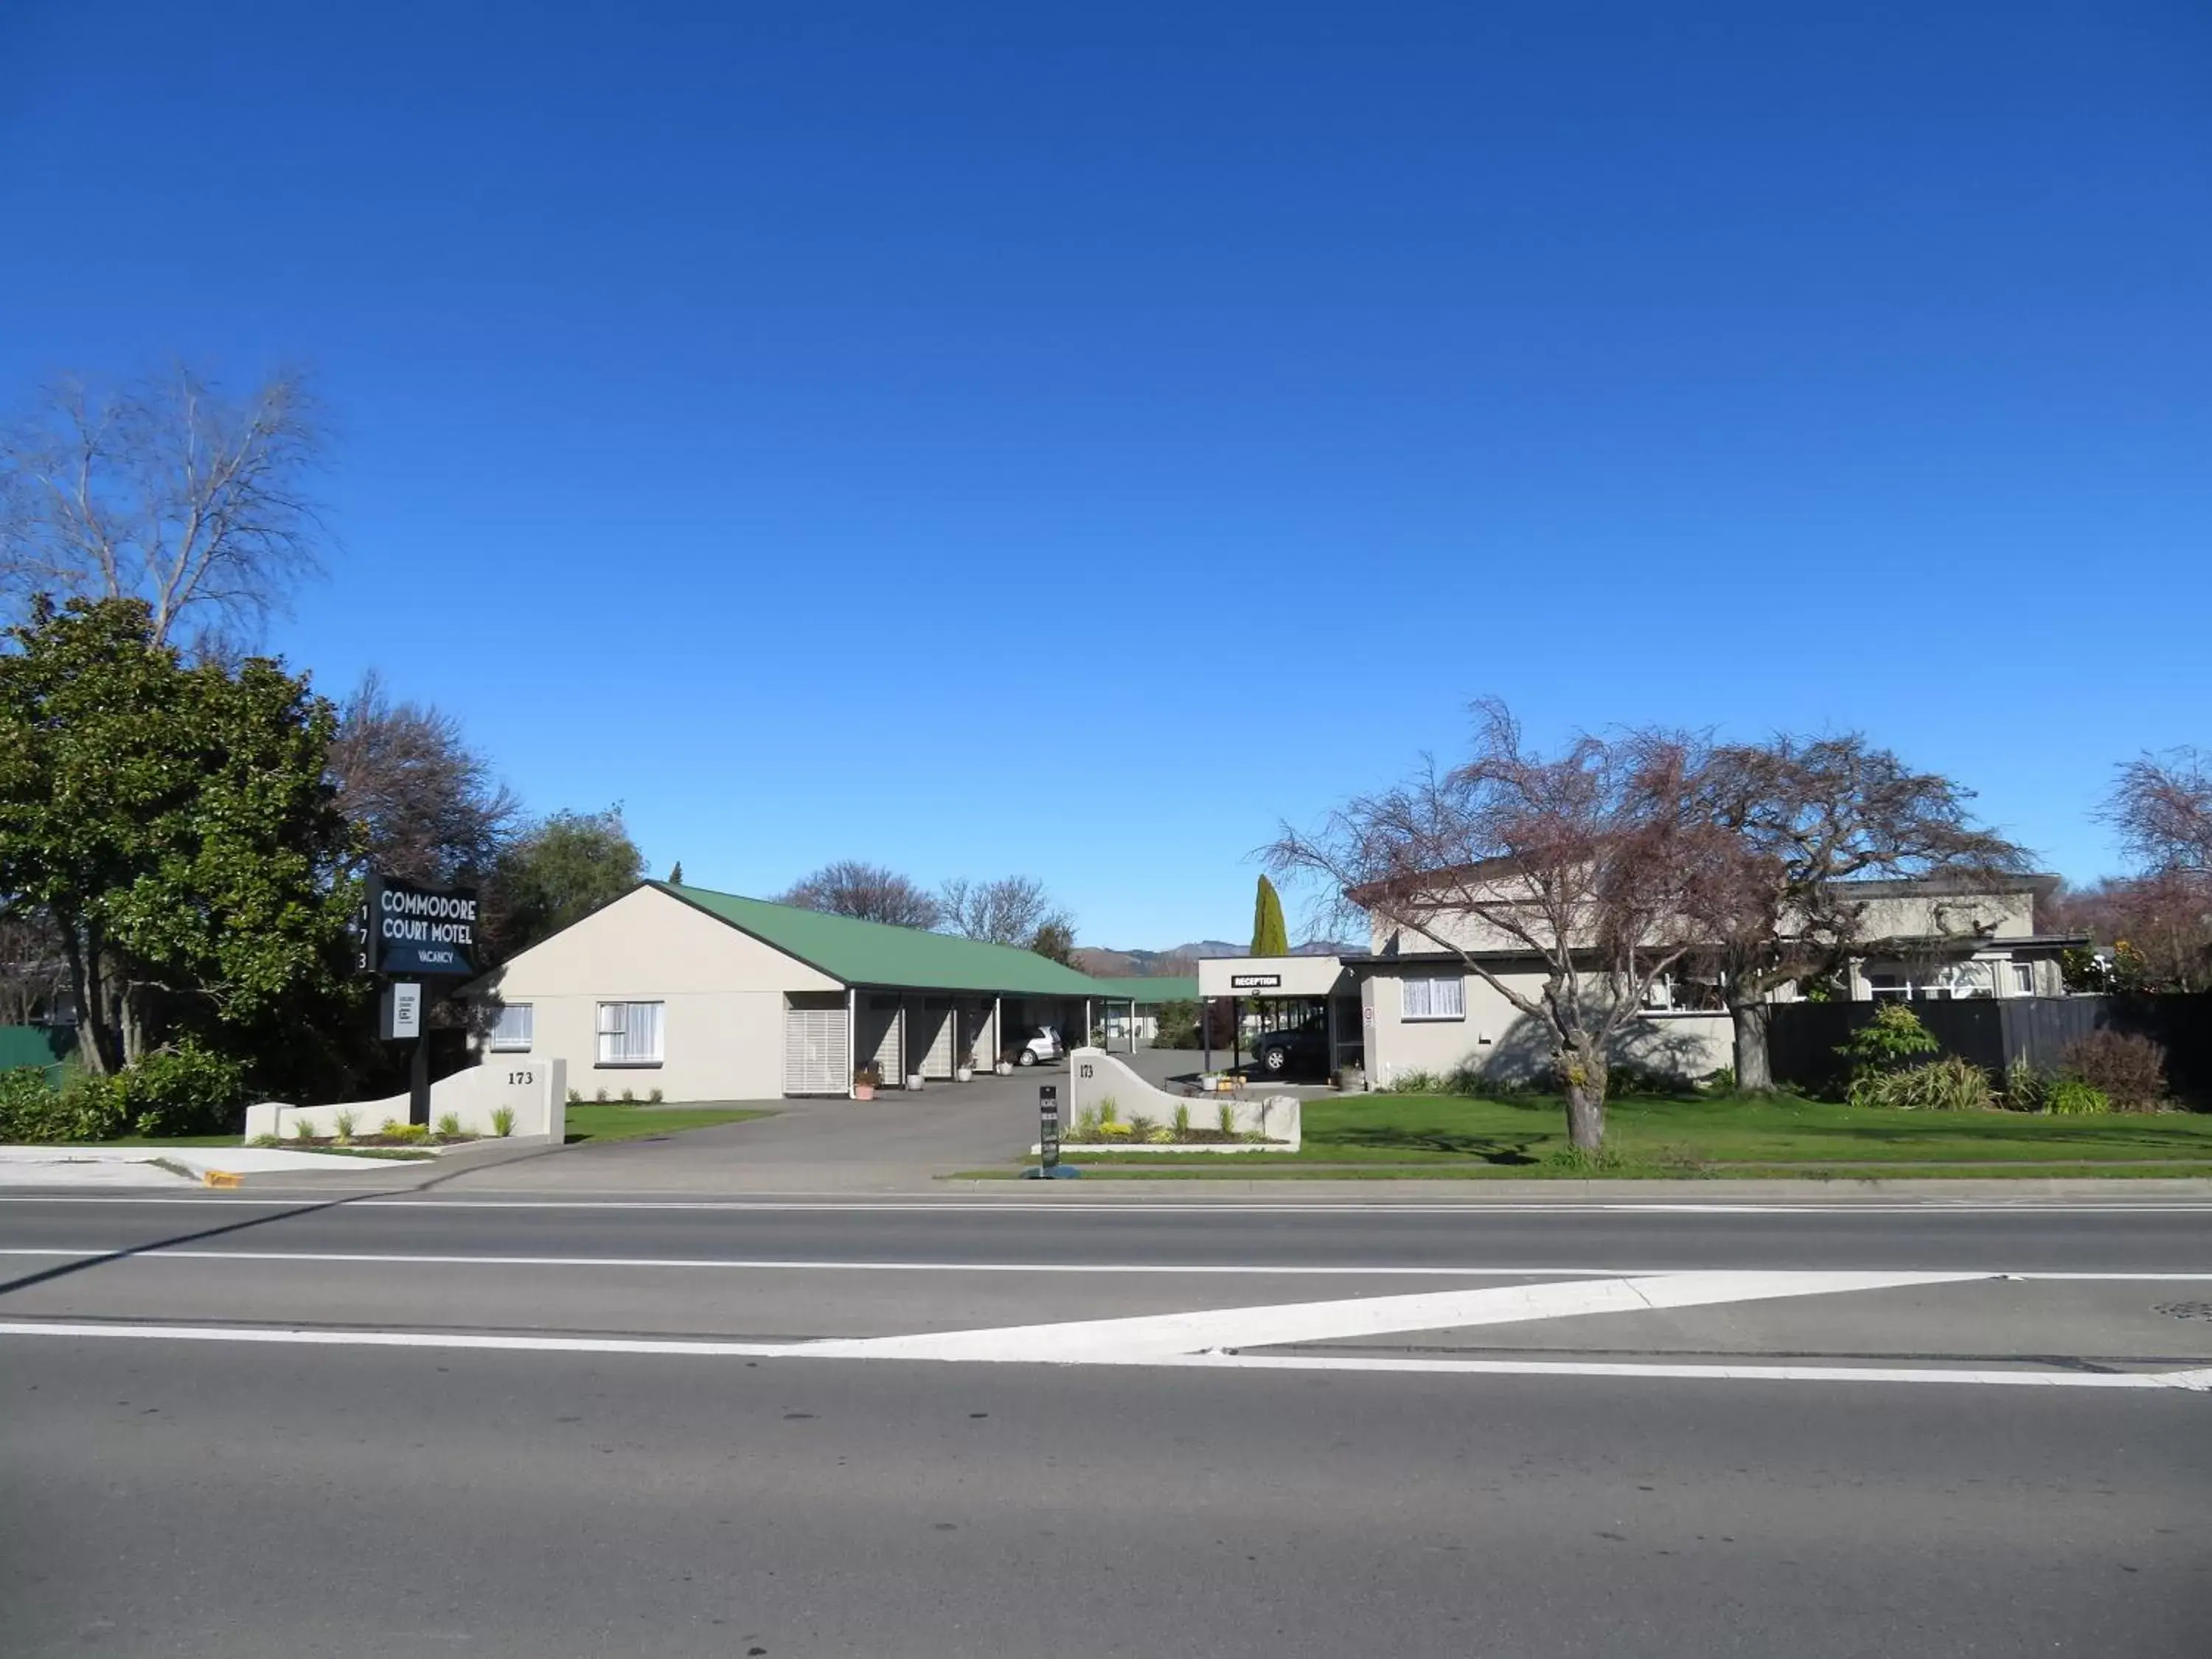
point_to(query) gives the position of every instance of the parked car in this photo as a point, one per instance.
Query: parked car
(1041, 1047)
(1303, 1048)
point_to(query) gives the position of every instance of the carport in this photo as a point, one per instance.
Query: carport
(1284, 992)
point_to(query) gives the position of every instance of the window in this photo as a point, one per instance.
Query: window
(630, 1033)
(512, 1033)
(1435, 997)
(2023, 979)
(1888, 985)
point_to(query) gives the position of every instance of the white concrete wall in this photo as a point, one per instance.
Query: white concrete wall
(1095, 1076)
(536, 1091)
(722, 993)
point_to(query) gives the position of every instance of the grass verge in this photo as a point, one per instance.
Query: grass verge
(594, 1121)
(1431, 1137)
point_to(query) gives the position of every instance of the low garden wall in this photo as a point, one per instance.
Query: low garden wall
(1096, 1076)
(535, 1091)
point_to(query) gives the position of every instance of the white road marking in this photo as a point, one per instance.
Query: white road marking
(2197, 1381)
(134, 1252)
(1210, 1207)
(1152, 1336)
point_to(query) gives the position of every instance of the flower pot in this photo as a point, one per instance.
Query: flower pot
(864, 1091)
(965, 1074)
(1005, 1068)
(913, 1080)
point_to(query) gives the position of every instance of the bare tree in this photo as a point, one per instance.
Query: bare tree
(1803, 817)
(426, 805)
(34, 970)
(868, 892)
(2159, 927)
(1011, 910)
(167, 491)
(2162, 807)
(1579, 862)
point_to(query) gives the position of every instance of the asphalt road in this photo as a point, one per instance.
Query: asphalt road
(418, 1426)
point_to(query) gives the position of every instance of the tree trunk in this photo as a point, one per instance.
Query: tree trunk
(1754, 1065)
(96, 1044)
(1585, 1078)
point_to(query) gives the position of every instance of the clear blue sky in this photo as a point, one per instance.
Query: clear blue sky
(821, 426)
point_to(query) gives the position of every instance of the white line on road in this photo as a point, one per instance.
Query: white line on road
(1203, 1208)
(133, 1252)
(1152, 1336)
(2198, 1381)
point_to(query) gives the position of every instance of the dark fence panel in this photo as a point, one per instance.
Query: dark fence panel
(1803, 1037)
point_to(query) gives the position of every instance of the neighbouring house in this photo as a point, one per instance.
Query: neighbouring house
(1405, 1005)
(708, 996)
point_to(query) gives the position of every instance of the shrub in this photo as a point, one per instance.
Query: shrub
(628, 1097)
(503, 1120)
(1721, 1080)
(266, 1140)
(1224, 1118)
(303, 1128)
(600, 1096)
(449, 1125)
(1948, 1084)
(1108, 1130)
(1464, 1079)
(1413, 1083)
(2024, 1088)
(1142, 1127)
(2128, 1068)
(35, 1114)
(184, 1090)
(576, 1095)
(1632, 1079)
(654, 1099)
(1182, 1121)
(2069, 1096)
(1108, 1112)
(1162, 1136)
(1891, 1040)
(1087, 1124)
(391, 1126)
(408, 1134)
(343, 1121)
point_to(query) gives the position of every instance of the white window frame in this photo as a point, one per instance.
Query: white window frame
(505, 1041)
(1425, 1007)
(628, 1034)
(2023, 978)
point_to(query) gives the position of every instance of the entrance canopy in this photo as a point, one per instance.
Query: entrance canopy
(1272, 977)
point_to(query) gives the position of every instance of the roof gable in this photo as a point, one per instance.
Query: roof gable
(875, 953)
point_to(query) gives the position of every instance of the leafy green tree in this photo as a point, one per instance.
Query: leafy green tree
(175, 826)
(1269, 936)
(676, 874)
(558, 872)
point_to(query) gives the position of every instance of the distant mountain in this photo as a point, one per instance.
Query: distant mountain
(1184, 960)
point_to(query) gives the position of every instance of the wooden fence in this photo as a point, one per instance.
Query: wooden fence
(1993, 1032)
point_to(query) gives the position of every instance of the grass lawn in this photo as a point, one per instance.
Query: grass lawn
(1433, 1135)
(595, 1121)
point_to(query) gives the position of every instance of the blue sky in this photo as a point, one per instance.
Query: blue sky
(1069, 439)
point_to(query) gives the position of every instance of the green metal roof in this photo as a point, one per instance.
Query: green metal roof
(35, 1045)
(1162, 988)
(873, 953)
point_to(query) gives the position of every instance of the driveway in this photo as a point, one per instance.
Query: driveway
(897, 1142)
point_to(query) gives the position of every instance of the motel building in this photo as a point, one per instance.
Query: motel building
(1407, 1007)
(708, 996)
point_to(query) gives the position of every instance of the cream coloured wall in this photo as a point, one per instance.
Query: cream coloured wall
(1505, 1043)
(722, 993)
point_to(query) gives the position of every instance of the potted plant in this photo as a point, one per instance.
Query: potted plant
(965, 1071)
(865, 1079)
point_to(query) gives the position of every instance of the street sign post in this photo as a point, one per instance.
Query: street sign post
(1048, 1125)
